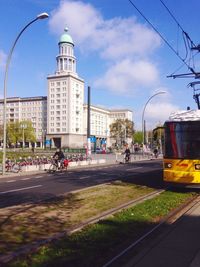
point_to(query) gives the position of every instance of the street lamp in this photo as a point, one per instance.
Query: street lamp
(40, 16)
(143, 131)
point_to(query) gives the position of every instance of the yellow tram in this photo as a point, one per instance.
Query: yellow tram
(182, 148)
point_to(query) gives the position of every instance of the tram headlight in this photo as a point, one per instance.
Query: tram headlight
(197, 167)
(168, 165)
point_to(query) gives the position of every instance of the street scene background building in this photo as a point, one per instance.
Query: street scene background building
(60, 118)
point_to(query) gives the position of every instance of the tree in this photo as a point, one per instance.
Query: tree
(19, 132)
(1, 132)
(138, 137)
(158, 136)
(121, 130)
(13, 133)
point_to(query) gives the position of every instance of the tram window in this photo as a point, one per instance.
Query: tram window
(182, 140)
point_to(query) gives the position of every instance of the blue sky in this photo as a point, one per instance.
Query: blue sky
(118, 54)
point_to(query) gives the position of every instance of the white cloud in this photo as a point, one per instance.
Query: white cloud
(128, 75)
(124, 44)
(114, 38)
(157, 110)
(160, 111)
(82, 19)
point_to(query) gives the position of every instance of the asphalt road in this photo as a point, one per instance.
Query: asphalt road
(37, 187)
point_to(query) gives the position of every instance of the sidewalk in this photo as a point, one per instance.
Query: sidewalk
(178, 247)
(96, 161)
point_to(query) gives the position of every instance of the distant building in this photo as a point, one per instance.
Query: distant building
(67, 114)
(27, 108)
(60, 119)
(65, 99)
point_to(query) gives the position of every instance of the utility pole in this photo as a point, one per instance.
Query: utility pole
(88, 124)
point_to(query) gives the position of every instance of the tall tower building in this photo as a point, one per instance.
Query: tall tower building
(65, 99)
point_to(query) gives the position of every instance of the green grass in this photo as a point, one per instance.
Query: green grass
(96, 243)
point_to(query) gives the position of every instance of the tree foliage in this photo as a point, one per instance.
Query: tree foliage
(121, 129)
(20, 131)
(138, 137)
(158, 135)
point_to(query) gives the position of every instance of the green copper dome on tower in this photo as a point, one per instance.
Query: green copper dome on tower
(66, 38)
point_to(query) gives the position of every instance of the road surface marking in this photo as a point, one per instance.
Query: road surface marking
(84, 177)
(11, 181)
(20, 189)
(24, 179)
(132, 169)
(38, 177)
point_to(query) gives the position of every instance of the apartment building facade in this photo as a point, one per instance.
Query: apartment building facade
(60, 118)
(33, 109)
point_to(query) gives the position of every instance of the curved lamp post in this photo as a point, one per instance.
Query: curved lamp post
(40, 16)
(143, 131)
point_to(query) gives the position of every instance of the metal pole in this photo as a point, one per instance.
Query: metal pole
(88, 113)
(22, 136)
(88, 124)
(158, 93)
(41, 16)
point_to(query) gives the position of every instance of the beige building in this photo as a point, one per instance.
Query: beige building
(65, 99)
(27, 108)
(60, 119)
(67, 114)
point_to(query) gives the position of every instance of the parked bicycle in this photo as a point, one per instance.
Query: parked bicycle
(11, 166)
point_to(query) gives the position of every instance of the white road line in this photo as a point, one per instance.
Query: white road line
(24, 179)
(132, 169)
(37, 177)
(20, 189)
(11, 181)
(84, 177)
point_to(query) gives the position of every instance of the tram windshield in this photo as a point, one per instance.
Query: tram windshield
(182, 140)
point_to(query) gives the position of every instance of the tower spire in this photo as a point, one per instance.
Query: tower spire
(66, 61)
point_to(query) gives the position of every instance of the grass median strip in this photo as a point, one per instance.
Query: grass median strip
(23, 224)
(96, 243)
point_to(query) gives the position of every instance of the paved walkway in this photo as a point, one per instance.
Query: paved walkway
(110, 159)
(178, 247)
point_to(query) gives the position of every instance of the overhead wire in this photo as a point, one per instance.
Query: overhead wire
(186, 38)
(169, 45)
